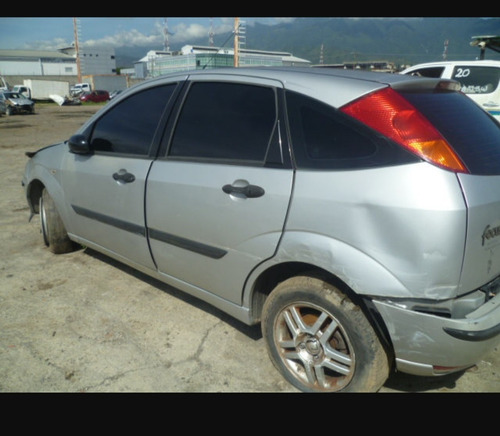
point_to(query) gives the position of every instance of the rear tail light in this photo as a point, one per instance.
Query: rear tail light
(389, 113)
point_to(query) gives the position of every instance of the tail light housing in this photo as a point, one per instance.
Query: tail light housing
(392, 115)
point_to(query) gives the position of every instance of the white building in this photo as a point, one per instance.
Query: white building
(36, 63)
(93, 61)
(157, 63)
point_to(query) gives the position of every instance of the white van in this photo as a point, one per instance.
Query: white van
(480, 79)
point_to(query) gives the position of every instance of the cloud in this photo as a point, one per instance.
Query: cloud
(177, 34)
(180, 32)
(125, 38)
(51, 45)
(183, 32)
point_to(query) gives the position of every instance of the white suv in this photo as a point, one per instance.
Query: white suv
(480, 80)
(80, 88)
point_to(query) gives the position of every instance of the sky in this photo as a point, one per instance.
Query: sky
(52, 33)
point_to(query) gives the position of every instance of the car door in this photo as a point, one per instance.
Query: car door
(217, 202)
(105, 188)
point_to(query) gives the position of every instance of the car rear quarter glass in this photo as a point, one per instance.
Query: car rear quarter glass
(324, 138)
(473, 134)
(477, 80)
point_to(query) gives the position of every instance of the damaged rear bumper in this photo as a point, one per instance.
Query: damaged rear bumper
(428, 344)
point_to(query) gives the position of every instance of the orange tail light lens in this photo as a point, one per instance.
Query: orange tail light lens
(390, 114)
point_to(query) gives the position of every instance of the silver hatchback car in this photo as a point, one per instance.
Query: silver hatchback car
(355, 215)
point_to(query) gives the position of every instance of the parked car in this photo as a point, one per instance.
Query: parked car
(3, 107)
(95, 96)
(480, 79)
(115, 93)
(16, 103)
(354, 215)
(79, 88)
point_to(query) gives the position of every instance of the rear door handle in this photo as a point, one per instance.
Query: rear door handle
(124, 176)
(249, 191)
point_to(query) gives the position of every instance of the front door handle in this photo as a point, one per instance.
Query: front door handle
(249, 191)
(124, 176)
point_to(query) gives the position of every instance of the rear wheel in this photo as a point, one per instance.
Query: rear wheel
(320, 340)
(53, 230)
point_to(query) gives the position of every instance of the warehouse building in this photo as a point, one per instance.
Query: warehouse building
(16, 65)
(36, 63)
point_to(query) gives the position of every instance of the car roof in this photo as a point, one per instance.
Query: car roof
(296, 73)
(312, 80)
(333, 86)
(483, 62)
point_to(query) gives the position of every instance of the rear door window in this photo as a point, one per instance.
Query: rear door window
(225, 121)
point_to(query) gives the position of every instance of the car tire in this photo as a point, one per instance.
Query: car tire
(320, 341)
(53, 231)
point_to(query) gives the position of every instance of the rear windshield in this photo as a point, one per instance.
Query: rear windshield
(473, 134)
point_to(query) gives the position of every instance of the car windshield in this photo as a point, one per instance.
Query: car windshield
(12, 95)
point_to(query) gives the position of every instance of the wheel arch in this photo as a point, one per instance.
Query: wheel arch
(275, 274)
(41, 177)
(33, 195)
(272, 276)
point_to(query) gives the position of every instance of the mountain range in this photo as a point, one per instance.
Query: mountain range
(403, 41)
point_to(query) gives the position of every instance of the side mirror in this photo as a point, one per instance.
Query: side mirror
(78, 144)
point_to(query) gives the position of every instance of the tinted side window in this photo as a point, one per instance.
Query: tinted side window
(324, 138)
(477, 80)
(129, 127)
(225, 121)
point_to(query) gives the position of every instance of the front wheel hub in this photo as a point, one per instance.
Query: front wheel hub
(311, 349)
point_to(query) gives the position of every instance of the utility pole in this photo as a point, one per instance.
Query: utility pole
(236, 42)
(166, 44)
(77, 51)
(211, 34)
(445, 51)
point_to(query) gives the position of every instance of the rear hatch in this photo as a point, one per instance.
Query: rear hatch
(475, 137)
